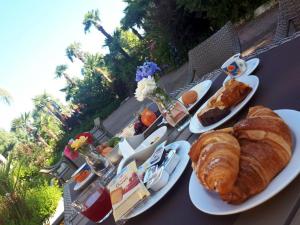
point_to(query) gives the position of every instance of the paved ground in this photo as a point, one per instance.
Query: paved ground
(253, 34)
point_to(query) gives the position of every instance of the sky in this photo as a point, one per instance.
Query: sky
(33, 38)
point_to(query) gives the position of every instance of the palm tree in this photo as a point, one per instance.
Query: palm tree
(94, 64)
(92, 18)
(5, 96)
(60, 71)
(73, 51)
(44, 102)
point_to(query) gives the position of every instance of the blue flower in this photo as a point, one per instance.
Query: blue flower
(146, 70)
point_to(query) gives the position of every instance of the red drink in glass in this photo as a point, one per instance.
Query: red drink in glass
(97, 205)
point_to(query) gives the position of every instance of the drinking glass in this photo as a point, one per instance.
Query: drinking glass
(94, 202)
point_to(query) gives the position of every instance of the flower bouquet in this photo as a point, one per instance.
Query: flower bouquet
(173, 111)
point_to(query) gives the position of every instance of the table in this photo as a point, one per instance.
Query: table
(279, 88)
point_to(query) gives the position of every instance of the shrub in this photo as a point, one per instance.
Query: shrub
(42, 202)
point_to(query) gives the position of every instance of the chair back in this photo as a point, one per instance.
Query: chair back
(289, 14)
(99, 132)
(214, 51)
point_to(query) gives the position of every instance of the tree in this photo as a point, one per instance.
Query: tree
(5, 96)
(92, 18)
(60, 71)
(135, 13)
(94, 64)
(49, 105)
(74, 51)
(7, 142)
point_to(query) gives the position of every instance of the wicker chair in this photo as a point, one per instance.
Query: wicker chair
(288, 18)
(213, 52)
(99, 132)
(62, 170)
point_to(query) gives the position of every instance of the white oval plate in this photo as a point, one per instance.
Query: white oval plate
(195, 125)
(211, 203)
(201, 89)
(251, 66)
(182, 151)
(80, 185)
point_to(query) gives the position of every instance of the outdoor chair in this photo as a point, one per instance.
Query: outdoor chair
(288, 18)
(62, 170)
(99, 132)
(214, 51)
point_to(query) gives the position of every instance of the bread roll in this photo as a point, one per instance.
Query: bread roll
(189, 97)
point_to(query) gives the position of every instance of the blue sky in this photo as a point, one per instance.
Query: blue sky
(33, 39)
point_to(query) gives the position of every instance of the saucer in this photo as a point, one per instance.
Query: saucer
(251, 66)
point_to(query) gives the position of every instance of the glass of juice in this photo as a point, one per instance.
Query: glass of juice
(94, 202)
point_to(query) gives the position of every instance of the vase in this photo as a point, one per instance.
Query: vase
(172, 110)
(99, 165)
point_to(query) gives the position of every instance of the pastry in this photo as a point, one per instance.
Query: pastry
(215, 159)
(266, 148)
(220, 103)
(212, 116)
(189, 97)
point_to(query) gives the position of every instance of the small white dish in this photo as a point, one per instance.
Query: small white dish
(182, 152)
(211, 203)
(195, 125)
(251, 66)
(153, 140)
(84, 165)
(201, 89)
(145, 149)
(80, 185)
(158, 182)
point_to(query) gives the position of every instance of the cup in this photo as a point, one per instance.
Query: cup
(94, 202)
(234, 66)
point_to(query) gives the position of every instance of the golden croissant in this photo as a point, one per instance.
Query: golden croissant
(266, 148)
(265, 143)
(215, 157)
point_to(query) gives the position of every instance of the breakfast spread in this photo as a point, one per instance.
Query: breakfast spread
(220, 104)
(189, 97)
(241, 161)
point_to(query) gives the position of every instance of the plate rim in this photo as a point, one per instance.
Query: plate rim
(209, 83)
(254, 204)
(146, 208)
(235, 110)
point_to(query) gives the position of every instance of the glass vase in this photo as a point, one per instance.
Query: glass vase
(172, 110)
(99, 165)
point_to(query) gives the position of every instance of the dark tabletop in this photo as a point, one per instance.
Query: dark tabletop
(279, 88)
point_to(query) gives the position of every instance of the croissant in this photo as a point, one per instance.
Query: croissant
(215, 159)
(266, 143)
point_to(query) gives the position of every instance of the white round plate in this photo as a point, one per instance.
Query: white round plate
(201, 89)
(80, 185)
(211, 203)
(182, 151)
(195, 125)
(251, 66)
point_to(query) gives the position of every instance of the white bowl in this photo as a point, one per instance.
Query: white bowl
(135, 141)
(146, 148)
(153, 140)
